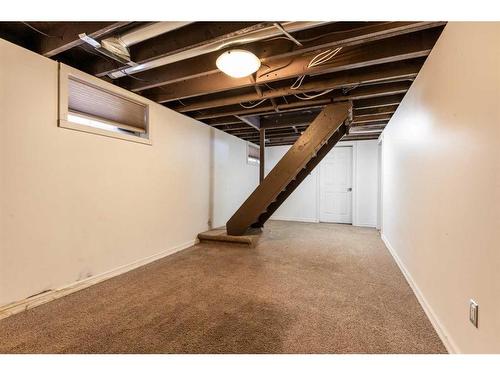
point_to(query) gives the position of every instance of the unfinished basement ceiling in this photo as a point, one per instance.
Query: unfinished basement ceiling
(372, 64)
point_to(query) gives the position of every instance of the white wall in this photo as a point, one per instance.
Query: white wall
(234, 179)
(74, 204)
(303, 203)
(441, 184)
(366, 183)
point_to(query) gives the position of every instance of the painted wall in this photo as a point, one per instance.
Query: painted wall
(234, 179)
(303, 203)
(366, 180)
(441, 184)
(75, 204)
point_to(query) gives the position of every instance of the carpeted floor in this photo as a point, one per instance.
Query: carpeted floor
(306, 288)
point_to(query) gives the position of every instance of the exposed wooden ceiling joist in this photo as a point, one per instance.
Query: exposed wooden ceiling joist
(360, 137)
(374, 68)
(394, 49)
(228, 128)
(270, 51)
(375, 110)
(182, 39)
(297, 119)
(230, 120)
(253, 121)
(286, 141)
(368, 91)
(378, 102)
(404, 70)
(64, 35)
(372, 118)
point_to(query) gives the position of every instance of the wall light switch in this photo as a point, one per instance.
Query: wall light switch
(473, 312)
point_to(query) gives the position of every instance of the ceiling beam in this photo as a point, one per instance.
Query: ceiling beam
(373, 123)
(378, 102)
(369, 126)
(300, 119)
(270, 132)
(347, 138)
(372, 118)
(175, 41)
(398, 48)
(205, 63)
(64, 35)
(404, 70)
(252, 121)
(270, 136)
(231, 120)
(283, 121)
(360, 137)
(233, 128)
(287, 138)
(375, 110)
(272, 50)
(358, 93)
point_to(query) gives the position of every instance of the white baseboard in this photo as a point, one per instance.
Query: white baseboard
(369, 225)
(28, 303)
(451, 347)
(300, 219)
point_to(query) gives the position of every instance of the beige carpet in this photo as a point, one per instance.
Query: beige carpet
(306, 288)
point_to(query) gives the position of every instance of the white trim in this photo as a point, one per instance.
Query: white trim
(367, 225)
(93, 130)
(443, 334)
(380, 191)
(300, 219)
(318, 191)
(251, 161)
(29, 303)
(354, 183)
(64, 74)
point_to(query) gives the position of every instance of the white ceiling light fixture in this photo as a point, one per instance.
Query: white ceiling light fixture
(238, 63)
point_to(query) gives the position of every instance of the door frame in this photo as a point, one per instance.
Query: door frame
(354, 196)
(380, 176)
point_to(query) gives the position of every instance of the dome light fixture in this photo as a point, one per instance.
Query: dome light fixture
(238, 63)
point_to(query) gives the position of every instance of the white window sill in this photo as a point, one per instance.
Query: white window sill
(107, 133)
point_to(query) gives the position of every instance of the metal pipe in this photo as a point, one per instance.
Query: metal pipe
(219, 44)
(118, 46)
(149, 31)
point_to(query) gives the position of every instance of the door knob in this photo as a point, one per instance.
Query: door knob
(349, 189)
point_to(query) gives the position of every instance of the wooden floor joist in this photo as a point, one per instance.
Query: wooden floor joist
(372, 64)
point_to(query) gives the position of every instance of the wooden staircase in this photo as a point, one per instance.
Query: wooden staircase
(306, 153)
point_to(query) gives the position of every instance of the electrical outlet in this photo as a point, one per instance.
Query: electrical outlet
(473, 312)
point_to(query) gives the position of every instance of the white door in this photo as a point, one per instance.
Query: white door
(336, 186)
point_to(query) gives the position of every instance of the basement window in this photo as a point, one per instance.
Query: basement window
(91, 105)
(253, 154)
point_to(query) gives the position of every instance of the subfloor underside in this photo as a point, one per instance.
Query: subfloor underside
(305, 288)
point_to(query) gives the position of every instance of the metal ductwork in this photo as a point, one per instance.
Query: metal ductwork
(248, 35)
(119, 44)
(116, 47)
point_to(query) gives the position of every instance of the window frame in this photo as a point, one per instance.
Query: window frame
(67, 72)
(249, 159)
